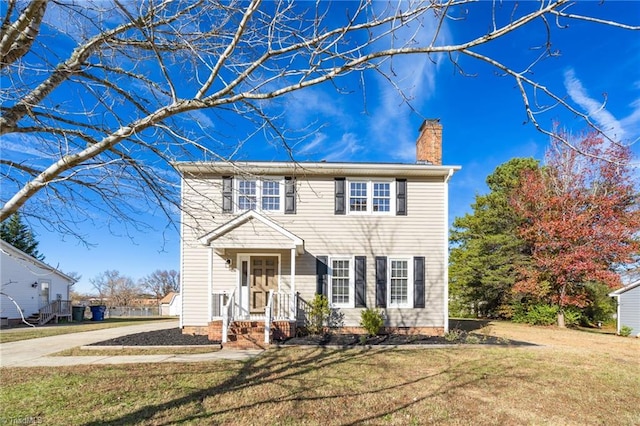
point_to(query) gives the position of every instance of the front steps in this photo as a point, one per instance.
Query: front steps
(246, 335)
(250, 334)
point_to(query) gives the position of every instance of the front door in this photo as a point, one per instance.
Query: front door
(264, 277)
(44, 294)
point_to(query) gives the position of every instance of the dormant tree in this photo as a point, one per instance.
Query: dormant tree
(581, 220)
(109, 97)
(115, 288)
(160, 283)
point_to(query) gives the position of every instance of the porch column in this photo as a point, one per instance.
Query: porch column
(292, 303)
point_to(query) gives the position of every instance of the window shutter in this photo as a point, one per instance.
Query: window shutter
(381, 281)
(289, 195)
(418, 282)
(227, 194)
(401, 197)
(361, 281)
(321, 274)
(340, 196)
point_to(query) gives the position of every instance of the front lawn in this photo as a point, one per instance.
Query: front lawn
(575, 378)
(25, 332)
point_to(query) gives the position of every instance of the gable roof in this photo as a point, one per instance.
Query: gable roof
(286, 240)
(168, 298)
(624, 289)
(18, 254)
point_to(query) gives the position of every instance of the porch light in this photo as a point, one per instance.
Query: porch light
(35, 284)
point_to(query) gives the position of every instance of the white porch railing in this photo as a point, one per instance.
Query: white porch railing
(268, 317)
(54, 310)
(228, 315)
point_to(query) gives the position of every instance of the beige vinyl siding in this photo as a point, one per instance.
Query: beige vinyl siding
(252, 233)
(420, 233)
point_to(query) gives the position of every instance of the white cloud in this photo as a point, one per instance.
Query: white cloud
(625, 130)
(344, 149)
(310, 147)
(415, 77)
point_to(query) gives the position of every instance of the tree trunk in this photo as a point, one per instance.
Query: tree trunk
(561, 319)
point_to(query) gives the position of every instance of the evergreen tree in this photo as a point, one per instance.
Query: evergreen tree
(487, 250)
(16, 233)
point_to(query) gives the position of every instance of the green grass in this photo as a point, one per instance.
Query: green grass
(570, 378)
(24, 333)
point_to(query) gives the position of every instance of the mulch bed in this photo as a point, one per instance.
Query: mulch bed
(174, 337)
(168, 337)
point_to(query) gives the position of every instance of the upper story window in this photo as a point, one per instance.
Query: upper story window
(259, 194)
(266, 194)
(370, 196)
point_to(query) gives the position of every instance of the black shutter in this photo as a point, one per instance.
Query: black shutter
(381, 282)
(289, 195)
(340, 196)
(401, 197)
(361, 281)
(321, 274)
(418, 282)
(227, 194)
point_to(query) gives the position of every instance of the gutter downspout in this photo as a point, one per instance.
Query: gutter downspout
(446, 250)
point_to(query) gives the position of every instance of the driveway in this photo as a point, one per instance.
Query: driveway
(36, 352)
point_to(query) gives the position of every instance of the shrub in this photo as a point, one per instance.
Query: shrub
(453, 335)
(472, 339)
(318, 314)
(625, 331)
(572, 316)
(371, 320)
(538, 314)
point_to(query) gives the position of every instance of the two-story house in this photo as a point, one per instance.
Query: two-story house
(260, 239)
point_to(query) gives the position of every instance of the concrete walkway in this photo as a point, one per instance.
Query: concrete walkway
(36, 352)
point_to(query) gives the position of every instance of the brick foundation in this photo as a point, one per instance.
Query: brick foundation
(426, 331)
(197, 330)
(281, 330)
(215, 331)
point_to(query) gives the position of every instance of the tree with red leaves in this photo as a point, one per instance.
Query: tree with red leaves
(582, 221)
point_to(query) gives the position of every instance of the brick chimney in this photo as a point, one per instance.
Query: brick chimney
(429, 143)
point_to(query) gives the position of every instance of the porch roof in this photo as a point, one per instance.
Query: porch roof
(251, 230)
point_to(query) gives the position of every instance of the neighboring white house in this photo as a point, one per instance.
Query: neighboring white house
(628, 298)
(260, 239)
(171, 304)
(41, 291)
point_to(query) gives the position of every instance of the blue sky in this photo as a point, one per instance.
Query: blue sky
(482, 114)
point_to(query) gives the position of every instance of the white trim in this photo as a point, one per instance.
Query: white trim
(410, 283)
(292, 285)
(259, 181)
(247, 256)
(297, 242)
(352, 281)
(180, 321)
(369, 187)
(269, 168)
(445, 244)
(210, 284)
(624, 289)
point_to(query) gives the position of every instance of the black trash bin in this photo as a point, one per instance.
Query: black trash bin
(97, 312)
(77, 313)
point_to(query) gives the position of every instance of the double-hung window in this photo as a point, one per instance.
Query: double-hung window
(247, 194)
(400, 288)
(341, 286)
(256, 194)
(371, 196)
(381, 197)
